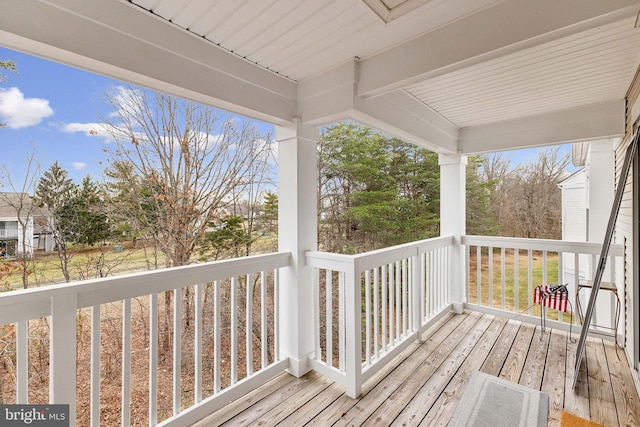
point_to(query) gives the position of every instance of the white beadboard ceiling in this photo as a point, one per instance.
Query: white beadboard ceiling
(591, 67)
(301, 38)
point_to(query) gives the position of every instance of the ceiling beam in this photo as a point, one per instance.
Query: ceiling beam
(404, 117)
(599, 121)
(117, 39)
(508, 27)
(331, 97)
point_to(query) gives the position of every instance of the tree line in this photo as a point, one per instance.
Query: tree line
(190, 183)
(376, 191)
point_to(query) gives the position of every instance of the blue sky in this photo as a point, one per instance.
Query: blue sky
(51, 107)
(38, 103)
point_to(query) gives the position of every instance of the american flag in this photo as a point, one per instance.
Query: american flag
(555, 297)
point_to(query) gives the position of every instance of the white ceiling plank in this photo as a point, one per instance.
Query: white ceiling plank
(256, 22)
(288, 29)
(591, 122)
(309, 59)
(208, 24)
(505, 28)
(198, 15)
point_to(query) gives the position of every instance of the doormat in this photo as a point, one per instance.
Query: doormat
(492, 401)
(570, 420)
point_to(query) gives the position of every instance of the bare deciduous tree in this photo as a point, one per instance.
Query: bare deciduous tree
(193, 160)
(190, 162)
(530, 197)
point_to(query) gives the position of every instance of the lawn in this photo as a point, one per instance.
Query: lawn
(498, 289)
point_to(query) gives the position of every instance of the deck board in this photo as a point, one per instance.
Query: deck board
(627, 403)
(424, 386)
(447, 401)
(553, 381)
(601, 403)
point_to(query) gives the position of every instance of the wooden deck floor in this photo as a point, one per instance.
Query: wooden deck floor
(424, 387)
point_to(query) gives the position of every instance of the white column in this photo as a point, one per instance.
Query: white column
(453, 221)
(297, 233)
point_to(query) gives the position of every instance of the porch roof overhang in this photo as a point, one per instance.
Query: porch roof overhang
(450, 75)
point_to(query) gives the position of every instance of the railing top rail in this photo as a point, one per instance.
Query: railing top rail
(541, 244)
(110, 289)
(367, 260)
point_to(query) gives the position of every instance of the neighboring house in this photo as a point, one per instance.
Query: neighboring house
(587, 197)
(38, 235)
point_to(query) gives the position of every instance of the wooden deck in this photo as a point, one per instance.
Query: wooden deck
(424, 387)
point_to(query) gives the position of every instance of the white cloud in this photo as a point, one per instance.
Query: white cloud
(78, 165)
(89, 129)
(17, 112)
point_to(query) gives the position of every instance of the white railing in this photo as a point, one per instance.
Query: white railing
(187, 340)
(190, 339)
(369, 307)
(9, 233)
(494, 263)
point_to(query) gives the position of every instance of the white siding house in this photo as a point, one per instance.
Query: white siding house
(30, 230)
(587, 197)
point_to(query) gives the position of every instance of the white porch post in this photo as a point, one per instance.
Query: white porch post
(297, 233)
(453, 221)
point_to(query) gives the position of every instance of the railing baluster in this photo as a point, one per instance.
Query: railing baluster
(329, 316)
(153, 359)
(398, 284)
(576, 281)
(530, 281)
(405, 303)
(503, 279)
(447, 269)
(479, 274)
(516, 281)
(94, 405)
(342, 322)
(392, 304)
(376, 313)
(217, 327)
(383, 286)
(416, 293)
(198, 344)
(433, 270)
(234, 330)
(490, 262)
(439, 279)
(276, 316)
(264, 319)
(249, 326)
(560, 282)
(126, 362)
(177, 346)
(22, 361)
(367, 316)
